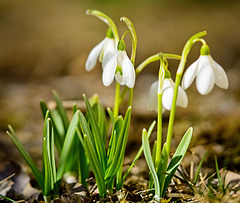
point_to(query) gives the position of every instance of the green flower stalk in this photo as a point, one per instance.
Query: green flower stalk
(106, 19)
(180, 70)
(161, 76)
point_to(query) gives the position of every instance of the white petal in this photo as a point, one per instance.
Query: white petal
(168, 82)
(152, 99)
(109, 50)
(109, 70)
(167, 98)
(168, 90)
(128, 71)
(93, 56)
(119, 78)
(189, 75)
(182, 99)
(221, 79)
(205, 77)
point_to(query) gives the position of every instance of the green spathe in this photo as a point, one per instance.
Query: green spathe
(205, 50)
(110, 34)
(121, 45)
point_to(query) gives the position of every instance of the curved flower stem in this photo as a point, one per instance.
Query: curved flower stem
(180, 69)
(133, 35)
(133, 55)
(155, 58)
(106, 19)
(134, 48)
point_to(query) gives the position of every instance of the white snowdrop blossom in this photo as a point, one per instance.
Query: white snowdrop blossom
(207, 73)
(103, 51)
(120, 67)
(167, 96)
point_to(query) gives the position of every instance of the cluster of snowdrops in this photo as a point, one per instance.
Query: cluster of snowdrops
(83, 143)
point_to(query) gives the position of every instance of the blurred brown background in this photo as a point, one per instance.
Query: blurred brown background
(44, 46)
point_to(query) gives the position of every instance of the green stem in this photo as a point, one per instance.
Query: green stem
(180, 70)
(159, 124)
(117, 97)
(130, 97)
(172, 113)
(159, 132)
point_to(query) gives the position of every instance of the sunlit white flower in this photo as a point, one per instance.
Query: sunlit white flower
(207, 73)
(103, 51)
(120, 67)
(167, 96)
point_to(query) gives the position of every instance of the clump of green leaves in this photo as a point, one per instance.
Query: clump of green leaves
(47, 178)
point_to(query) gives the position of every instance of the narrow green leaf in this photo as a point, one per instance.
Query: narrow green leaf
(99, 144)
(199, 167)
(110, 113)
(96, 166)
(102, 121)
(75, 108)
(162, 168)
(148, 157)
(177, 157)
(67, 145)
(47, 169)
(52, 158)
(61, 110)
(72, 161)
(86, 131)
(46, 116)
(44, 108)
(120, 148)
(114, 139)
(151, 182)
(83, 163)
(37, 174)
(184, 180)
(57, 124)
(219, 176)
(139, 152)
(7, 198)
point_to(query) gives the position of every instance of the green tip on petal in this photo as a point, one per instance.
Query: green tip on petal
(110, 34)
(121, 45)
(205, 50)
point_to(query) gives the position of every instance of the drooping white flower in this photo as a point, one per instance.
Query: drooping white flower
(167, 96)
(207, 73)
(103, 51)
(120, 67)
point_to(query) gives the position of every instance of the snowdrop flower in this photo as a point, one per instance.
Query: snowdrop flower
(167, 96)
(103, 51)
(120, 67)
(207, 72)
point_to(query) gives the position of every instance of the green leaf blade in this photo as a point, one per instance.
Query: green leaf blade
(149, 160)
(177, 157)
